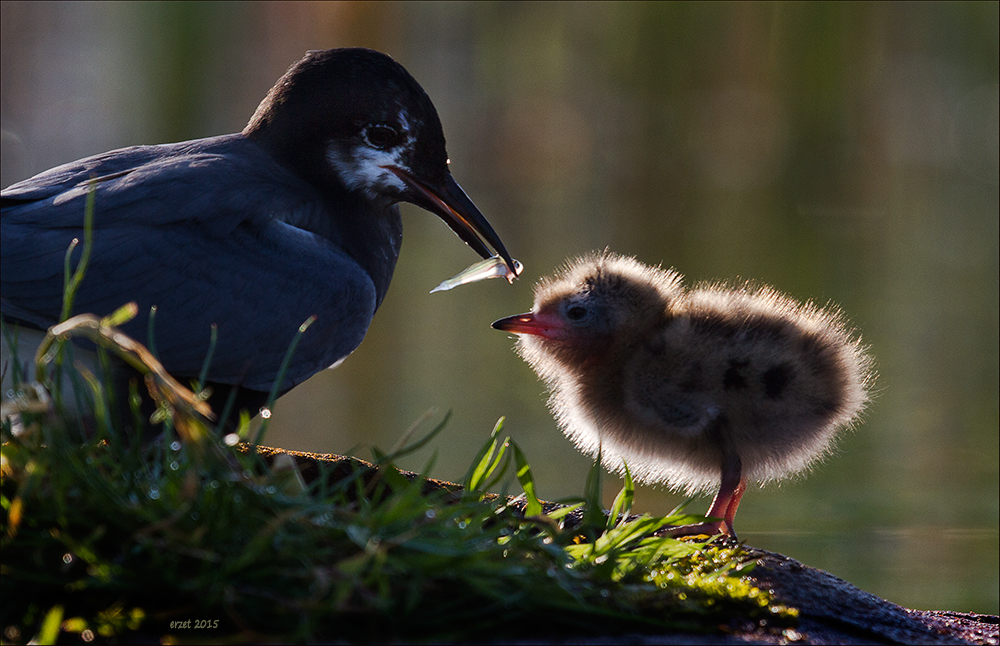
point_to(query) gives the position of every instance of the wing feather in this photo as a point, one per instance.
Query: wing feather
(166, 235)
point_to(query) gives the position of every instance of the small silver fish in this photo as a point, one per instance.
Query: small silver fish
(492, 267)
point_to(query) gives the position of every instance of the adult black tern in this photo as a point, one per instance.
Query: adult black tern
(254, 232)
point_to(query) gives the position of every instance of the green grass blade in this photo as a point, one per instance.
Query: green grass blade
(622, 506)
(150, 327)
(49, 632)
(534, 506)
(401, 448)
(203, 375)
(593, 515)
(486, 460)
(72, 283)
(280, 379)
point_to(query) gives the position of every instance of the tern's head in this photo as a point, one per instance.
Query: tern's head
(355, 120)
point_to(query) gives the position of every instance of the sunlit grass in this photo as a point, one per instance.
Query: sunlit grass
(102, 537)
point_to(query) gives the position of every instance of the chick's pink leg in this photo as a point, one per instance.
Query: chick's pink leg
(734, 503)
(724, 505)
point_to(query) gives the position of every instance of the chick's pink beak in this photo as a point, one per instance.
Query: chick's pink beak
(536, 324)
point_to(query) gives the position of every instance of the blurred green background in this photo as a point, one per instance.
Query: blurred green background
(843, 152)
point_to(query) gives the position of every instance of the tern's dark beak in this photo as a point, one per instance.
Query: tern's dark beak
(449, 202)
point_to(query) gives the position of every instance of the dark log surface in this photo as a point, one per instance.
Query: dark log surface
(832, 611)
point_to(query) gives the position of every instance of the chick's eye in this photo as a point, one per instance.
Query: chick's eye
(380, 136)
(576, 312)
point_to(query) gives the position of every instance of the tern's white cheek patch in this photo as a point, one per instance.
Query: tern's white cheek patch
(365, 169)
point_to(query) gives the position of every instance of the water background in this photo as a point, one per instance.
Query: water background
(844, 152)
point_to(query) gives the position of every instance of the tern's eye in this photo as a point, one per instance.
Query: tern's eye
(380, 136)
(576, 312)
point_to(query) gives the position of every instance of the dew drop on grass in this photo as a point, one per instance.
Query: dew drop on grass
(231, 439)
(174, 465)
(430, 514)
(791, 634)
(175, 446)
(67, 558)
(154, 492)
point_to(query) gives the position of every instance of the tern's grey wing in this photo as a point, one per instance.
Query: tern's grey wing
(195, 229)
(202, 188)
(219, 182)
(258, 286)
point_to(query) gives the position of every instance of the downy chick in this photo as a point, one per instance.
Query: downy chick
(711, 387)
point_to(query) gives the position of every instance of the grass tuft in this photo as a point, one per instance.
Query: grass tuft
(107, 540)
